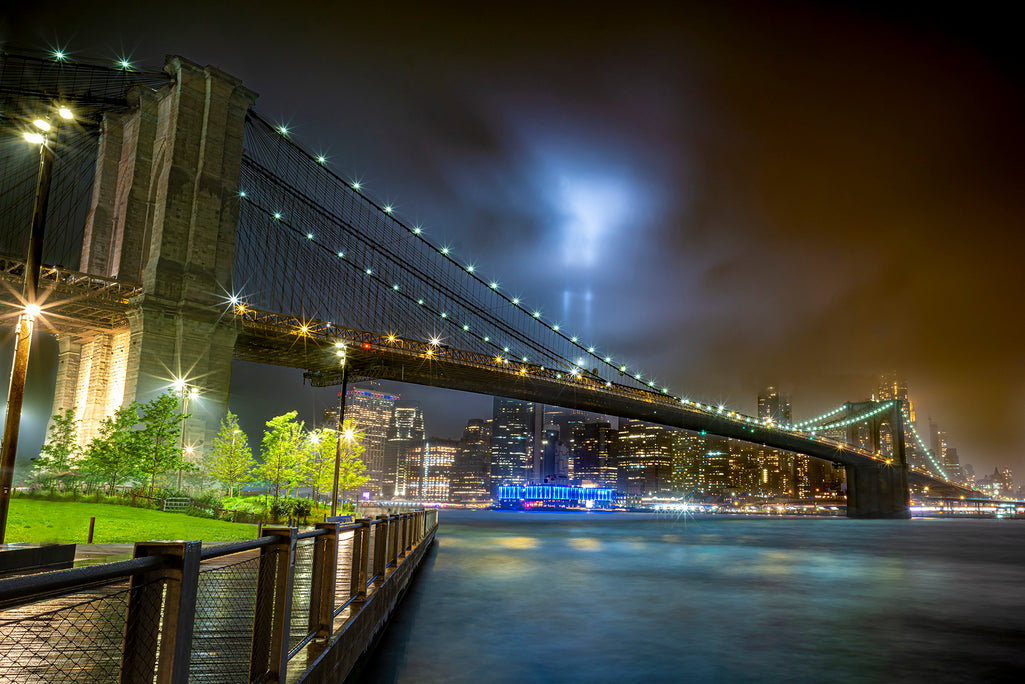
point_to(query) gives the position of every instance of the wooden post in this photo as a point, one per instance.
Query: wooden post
(164, 608)
(269, 654)
(360, 552)
(322, 581)
(381, 547)
(92, 526)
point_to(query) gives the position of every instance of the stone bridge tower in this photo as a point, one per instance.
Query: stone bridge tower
(164, 214)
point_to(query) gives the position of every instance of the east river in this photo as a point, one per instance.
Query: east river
(601, 597)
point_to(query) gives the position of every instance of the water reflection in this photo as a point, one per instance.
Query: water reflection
(508, 597)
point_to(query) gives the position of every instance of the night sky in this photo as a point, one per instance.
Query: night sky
(726, 197)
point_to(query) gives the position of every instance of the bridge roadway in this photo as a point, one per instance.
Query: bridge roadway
(296, 343)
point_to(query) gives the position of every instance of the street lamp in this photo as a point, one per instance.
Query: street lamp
(45, 136)
(186, 392)
(340, 352)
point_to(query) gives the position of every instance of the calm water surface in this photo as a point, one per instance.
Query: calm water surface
(574, 597)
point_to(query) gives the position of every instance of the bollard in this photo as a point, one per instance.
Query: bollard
(92, 526)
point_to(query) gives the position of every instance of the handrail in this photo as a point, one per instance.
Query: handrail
(18, 589)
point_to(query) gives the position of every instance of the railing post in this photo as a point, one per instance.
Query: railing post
(394, 527)
(169, 614)
(381, 547)
(360, 552)
(322, 580)
(403, 533)
(273, 606)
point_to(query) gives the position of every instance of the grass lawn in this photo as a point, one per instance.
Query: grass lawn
(32, 520)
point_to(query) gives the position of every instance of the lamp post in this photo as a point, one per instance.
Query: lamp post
(46, 140)
(340, 352)
(186, 393)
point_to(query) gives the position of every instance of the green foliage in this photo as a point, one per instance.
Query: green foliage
(283, 452)
(231, 461)
(56, 458)
(113, 455)
(159, 448)
(352, 471)
(282, 509)
(252, 505)
(319, 472)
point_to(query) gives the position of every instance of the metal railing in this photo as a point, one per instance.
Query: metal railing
(235, 612)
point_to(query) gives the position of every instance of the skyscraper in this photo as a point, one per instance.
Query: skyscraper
(405, 432)
(471, 472)
(371, 412)
(429, 469)
(644, 454)
(512, 441)
(773, 405)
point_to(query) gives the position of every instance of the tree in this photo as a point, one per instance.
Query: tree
(320, 461)
(352, 470)
(57, 457)
(282, 448)
(159, 447)
(231, 461)
(113, 455)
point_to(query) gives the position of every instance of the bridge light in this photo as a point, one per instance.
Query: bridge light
(555, 327)
(355, 185)
(420, 302)
(524, 359)
(283, 130)
(309, 236)
(505, 349)
(622, 369)
(429, 352)
(34, 138)
(369, 272)
(395, 287)
(498, 359)
(241, 193)
(124, 64)
(417, 230)
(32, 310)
(590, 350)
(321, 159)
(435, 341)
(391, 338)
(608, 359)
(59, 56)
(637, 376)
(537, 314)
(516, 301)
(387, 208)
(444, 250)
(341, 255)
(277, 215)
(573, 339)
(444, 315)
(487, 339)
(494, 285)
(469, 268)
(65, 113)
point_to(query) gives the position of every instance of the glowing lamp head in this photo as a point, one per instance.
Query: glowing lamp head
(348, 434)
(194, 392)
(34, 138)
(32, 310)
(189, 450)
(435, 341)
(41, 124)
(178, 384)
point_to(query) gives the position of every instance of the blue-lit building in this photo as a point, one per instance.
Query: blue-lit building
(554, 496)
